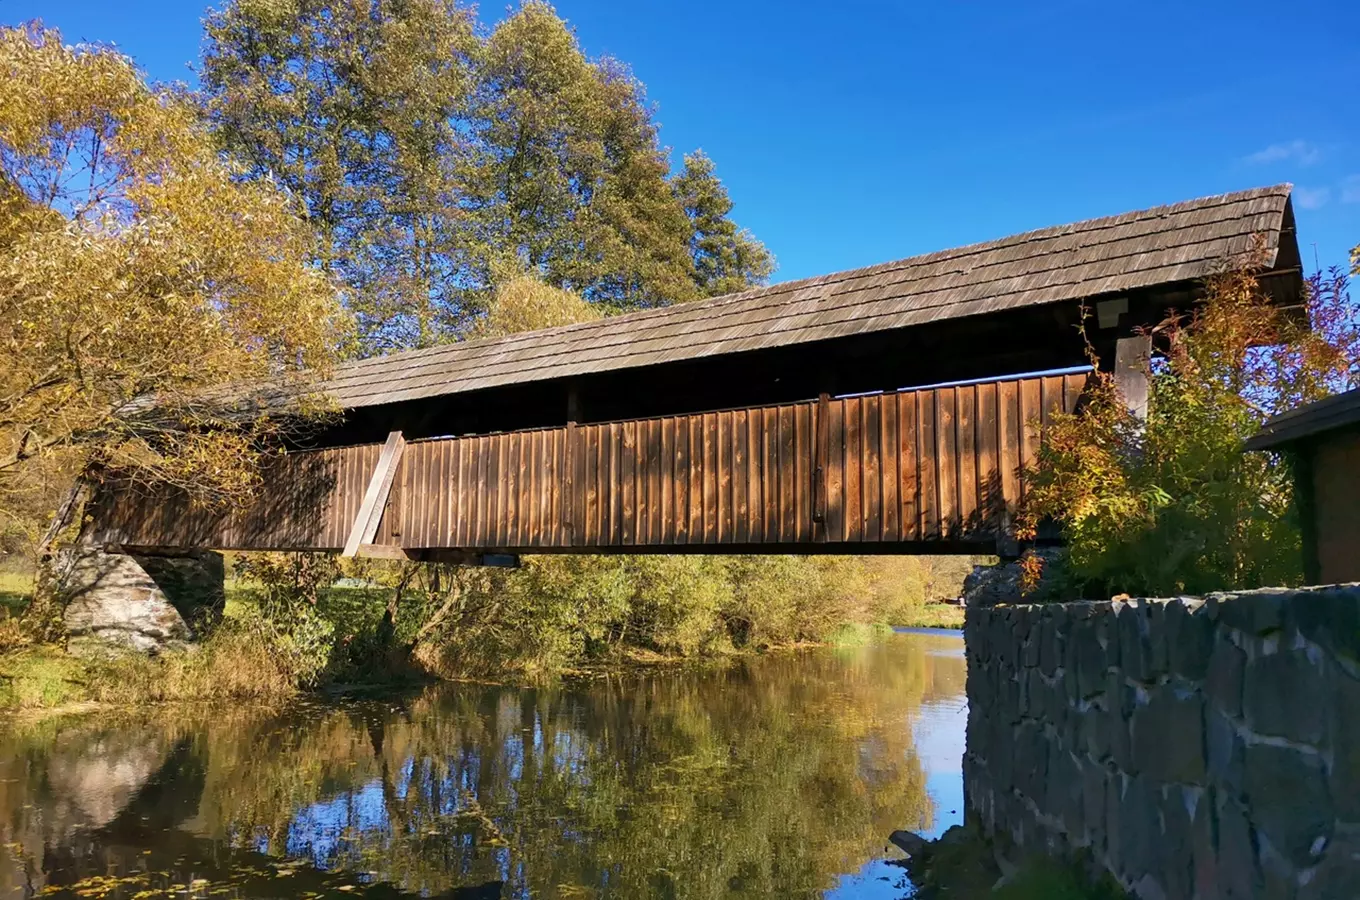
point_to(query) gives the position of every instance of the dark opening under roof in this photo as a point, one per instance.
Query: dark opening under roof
(1138, 250)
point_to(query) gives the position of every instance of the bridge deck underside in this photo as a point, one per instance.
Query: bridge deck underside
(935, 468)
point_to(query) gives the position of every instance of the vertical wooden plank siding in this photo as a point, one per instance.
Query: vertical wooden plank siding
(741, 479)
(887, 442)
(947, 460)
(989, 469)
(803, 454)
(1008, 430)
(906, 466)
(628, 484)
(871, 487)
(657, 463)
(928, 466)
(854, 524)
(909, 488)
(1031, 412)
(967, 450)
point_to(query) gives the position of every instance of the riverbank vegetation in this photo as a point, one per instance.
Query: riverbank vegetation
(399, 178)
(961, 865)
(303, 622)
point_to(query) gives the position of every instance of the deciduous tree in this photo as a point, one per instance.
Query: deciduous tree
(359, 108)
(432, 159)
(726, 258)
(137, 271)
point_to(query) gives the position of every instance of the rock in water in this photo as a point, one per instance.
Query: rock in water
(149, 604)
(909, 842)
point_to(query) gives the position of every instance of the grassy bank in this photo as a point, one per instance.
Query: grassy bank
(296, 623)
(931, 615)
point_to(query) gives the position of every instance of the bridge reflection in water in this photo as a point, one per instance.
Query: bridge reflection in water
(774, 776)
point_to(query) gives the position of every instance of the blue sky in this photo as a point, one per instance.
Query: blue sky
(859, 132)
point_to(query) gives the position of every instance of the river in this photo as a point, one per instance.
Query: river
(774, 776)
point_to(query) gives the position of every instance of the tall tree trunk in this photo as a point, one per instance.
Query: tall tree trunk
(43, 617)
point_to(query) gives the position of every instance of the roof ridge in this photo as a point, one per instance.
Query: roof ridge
(1174, 242)
(509, 340)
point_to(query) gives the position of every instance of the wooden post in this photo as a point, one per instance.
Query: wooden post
(573, 405)
(365, 526)
(62, 518)
(820, 449)
(1132, 359)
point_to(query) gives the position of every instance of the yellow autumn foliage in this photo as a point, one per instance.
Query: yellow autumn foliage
(134, 264)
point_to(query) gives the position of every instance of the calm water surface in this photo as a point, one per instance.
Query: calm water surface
(774, 777)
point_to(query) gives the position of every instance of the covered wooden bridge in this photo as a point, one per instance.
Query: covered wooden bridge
(767, 421)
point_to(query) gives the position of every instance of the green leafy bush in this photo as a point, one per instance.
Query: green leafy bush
(1173, 505)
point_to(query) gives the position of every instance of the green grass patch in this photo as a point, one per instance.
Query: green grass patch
(15, 589)
(931, 615)
(41, 677)
(858, 634)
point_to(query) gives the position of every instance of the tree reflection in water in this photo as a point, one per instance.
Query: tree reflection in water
(769, 777)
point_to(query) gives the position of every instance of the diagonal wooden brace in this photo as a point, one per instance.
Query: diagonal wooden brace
(365, 527)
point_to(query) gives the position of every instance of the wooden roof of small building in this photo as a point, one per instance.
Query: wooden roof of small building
(1309, 420)
(1159, 246)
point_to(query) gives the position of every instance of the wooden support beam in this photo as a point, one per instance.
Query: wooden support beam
(365, 526)
(1132, 361)
(381, 551)
(821, 447)
(435, 555)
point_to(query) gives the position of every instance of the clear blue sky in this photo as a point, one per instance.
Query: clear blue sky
(859, 132)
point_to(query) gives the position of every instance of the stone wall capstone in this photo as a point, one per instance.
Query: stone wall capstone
(1195, 748)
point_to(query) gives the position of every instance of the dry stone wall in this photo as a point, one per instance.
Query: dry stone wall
(1194, 748)
(147, 603)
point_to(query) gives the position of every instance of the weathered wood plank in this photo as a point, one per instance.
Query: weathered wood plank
(770, 469)
(1031, 412)
(990, 498)
(967, 450)
(481, 531)
(890, 479)
(465, 493)
(668, 471)
(803, 438)
(821, 416)
(871, 488)
(710, 473)
(681, 512)
(909, 488)
(514, 449)
(1073, 387)
(835, 479)
(946, 442)
(590, 435)
(741, 481)
(854, 469)
(656, 461)
(929, 468)
(723, 476)
(628, 482)
(786, 470)
(755, 478)
(614, 485)
(1009, 426)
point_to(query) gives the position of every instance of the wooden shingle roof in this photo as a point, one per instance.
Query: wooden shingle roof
(1309, 420)
(1163, 245)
